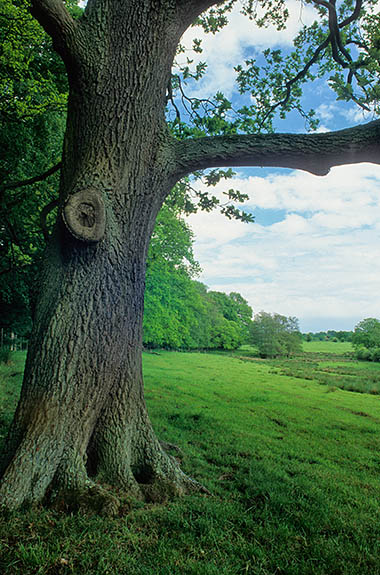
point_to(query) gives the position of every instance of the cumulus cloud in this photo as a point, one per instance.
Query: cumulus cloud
(320, 262)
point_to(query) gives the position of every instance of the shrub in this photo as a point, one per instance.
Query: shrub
(363, 353)
(275, 335)
(375, 354)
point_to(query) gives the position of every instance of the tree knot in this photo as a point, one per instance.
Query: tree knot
(84, 215)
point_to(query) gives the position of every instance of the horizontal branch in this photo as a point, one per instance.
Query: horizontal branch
(314, 153)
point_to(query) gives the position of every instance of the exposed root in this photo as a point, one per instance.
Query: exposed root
(91, 499)
(106, 500)
(104, 480)
(162, 479)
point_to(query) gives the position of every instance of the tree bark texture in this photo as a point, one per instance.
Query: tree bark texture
(82, 420)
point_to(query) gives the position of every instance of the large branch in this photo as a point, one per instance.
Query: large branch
(314, 153)
(57, 22)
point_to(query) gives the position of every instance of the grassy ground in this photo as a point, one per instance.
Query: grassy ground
(335, 347)
(325, 362)
(294, 468)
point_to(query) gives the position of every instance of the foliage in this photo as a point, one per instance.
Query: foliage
(234, 308)
(366, 339)
(367, 333)
(290, 495)
(5, 354)
(275, 335)
(372, 354)
(32, 118)
(174, 310)
(341, 46)
(172, 239)
(181, 314)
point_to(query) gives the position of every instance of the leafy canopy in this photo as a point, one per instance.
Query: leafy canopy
(367, 333)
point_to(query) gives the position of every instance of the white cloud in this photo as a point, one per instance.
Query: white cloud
(292, 225)
(320, 261)
(240, 40)
(356, 115)
(351, 114)
(326, 112)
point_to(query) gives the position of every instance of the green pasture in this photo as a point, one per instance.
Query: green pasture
(336, 347)
(293, 467)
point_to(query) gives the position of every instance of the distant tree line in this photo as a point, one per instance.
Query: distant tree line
(180, 312)
(330, 335)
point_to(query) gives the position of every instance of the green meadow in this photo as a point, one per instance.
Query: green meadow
(334, 347)
(290, 455)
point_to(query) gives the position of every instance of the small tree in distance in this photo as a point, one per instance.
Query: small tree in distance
(276, 335)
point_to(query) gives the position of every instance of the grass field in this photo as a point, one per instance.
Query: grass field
(293, 467)
(337, 347)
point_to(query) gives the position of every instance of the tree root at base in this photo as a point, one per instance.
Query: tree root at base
(105, 500)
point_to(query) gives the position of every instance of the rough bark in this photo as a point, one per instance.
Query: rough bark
(81, 421)
(315, 153)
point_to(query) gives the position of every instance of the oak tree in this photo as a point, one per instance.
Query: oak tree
(81, 421)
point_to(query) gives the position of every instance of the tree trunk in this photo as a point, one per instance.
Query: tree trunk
(82, 412)
(81, 419)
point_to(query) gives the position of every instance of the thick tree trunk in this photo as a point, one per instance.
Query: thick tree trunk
(82, 418)
(82, 410)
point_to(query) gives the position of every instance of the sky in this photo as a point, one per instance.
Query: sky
(313, 251)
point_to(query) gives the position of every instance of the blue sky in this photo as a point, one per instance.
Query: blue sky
(313, 251)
